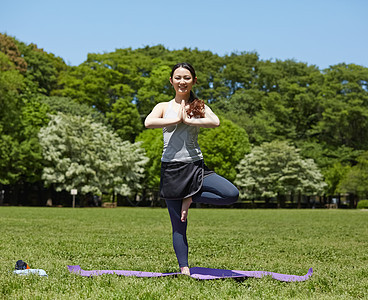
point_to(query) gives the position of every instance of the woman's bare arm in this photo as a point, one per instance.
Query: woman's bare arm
(209, 121)
(155, 118)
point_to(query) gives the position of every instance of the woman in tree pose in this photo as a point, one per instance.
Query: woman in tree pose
(184, 176)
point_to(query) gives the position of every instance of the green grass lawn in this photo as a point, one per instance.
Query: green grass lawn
(333, 242)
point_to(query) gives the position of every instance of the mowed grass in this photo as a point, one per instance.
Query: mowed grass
(333, 242)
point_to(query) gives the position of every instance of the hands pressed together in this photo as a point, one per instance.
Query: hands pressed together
(183, 115)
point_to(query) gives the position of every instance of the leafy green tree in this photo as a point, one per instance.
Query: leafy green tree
(334, 162)
(333, 177)
(11, 82)
(276, 168)
(88, 156)
(223, 147)
(125, 119)
(8, 151)
(104, 78)
(93, 84)
(152, 142)
(9, 47)
(20, 150)
(271, 100)
(133, 65)
(155, 89)
(298, 88)
(43, 68)
(69, 106)
(34, 115)
(344, 107)
(326, 155)
(240, 71)
(355, 180)
(245, 108)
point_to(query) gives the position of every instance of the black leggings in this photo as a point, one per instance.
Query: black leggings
(215, 190)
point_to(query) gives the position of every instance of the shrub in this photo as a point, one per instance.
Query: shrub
(362, 204)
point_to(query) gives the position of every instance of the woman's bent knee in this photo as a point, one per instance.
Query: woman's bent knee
(231, 193)
(233, 197)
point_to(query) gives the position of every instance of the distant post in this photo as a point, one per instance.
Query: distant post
(74, 192)
(2, 193)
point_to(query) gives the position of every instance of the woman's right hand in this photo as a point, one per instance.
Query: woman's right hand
(182, 112)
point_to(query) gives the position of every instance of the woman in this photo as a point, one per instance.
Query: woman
(184, 176)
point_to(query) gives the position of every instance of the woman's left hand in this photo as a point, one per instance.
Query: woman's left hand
(186, 119)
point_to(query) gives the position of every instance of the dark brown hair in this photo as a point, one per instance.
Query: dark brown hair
(196, 106)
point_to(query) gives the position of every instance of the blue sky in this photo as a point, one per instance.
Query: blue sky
(318, 32)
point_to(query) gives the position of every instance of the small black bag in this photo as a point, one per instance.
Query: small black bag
(21, 265)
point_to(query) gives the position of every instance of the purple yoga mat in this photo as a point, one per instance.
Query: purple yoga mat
(197, 273)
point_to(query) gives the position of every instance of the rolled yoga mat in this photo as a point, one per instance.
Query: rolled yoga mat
(197, 273)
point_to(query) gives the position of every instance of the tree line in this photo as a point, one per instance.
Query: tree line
(287, 128)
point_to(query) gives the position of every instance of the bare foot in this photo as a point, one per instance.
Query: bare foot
(185, 271)
(185, 208)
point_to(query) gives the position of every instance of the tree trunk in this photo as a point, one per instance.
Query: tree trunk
(267, 202)
(2, 195)
(279, 200)
(299, 199)
(351, 200)
(308, 202)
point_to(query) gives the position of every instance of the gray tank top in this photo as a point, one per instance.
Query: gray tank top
(180, 140)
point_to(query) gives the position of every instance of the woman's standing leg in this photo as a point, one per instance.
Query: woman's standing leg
(215, 190)
(179, 232)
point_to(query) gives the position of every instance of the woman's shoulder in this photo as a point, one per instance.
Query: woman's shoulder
(159, 110)
(162, 105)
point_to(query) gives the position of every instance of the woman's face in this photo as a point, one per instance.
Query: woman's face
(182, 81)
